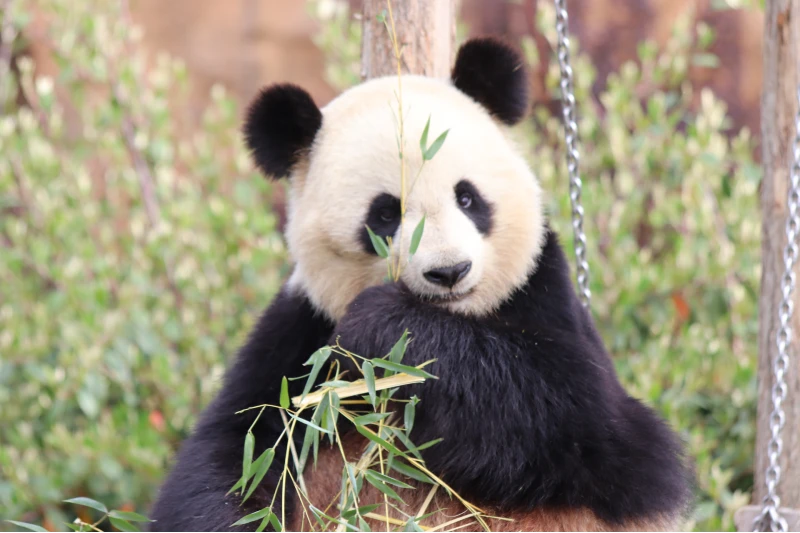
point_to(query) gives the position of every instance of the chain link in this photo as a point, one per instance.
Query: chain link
(573, 157)
(770, 518)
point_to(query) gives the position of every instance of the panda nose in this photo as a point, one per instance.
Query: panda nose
(448, 276)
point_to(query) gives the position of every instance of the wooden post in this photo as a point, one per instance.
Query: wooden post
(778, 110)
(426, 33)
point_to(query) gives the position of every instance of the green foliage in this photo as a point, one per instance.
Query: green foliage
(672, 220)
(135, 253)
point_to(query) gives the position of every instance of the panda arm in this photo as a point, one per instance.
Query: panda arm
(531, 415)
(194, 496)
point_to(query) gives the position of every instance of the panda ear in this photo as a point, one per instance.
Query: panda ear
(281, 124)
(494, 75)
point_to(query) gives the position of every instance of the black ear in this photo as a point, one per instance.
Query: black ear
(494, 75)
(281, 124)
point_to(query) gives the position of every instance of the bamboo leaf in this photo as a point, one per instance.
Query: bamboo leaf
(88, 502)
(370, 418)
(309, 424)
(284, 393)
(317, 359)
(379, 441)
(381, 486)
(397, 367)
(276, 524)
(380, 246)
(423, 140)
(389, 480)
(369, 379)
(361, 510)
(260, 468)
(416, 237)
(247, 456)
(399, 349)
(408, 414)
(252, 517)
(435, 146)
(410, 471)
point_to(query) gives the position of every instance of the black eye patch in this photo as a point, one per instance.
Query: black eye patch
(383, 218)
(475, 206)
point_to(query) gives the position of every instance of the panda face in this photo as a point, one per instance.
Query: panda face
(482, 205)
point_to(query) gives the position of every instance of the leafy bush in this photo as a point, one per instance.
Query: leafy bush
(135, 253)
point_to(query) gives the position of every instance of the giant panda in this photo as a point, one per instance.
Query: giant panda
(535, 424)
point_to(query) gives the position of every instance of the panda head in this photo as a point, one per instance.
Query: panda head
(484, 227)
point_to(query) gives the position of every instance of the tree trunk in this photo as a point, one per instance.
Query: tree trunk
(426, 32)
(778, 110)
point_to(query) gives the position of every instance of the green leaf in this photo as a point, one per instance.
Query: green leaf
(309, 424)
(347, 515)
(399, 348)
(252, 517)
(406, 442)
(379, 441)
(435, 146)
(381, 486)
(408, 414)
(381, 17)
(423, 140)
(389, 480)
(370, 418)
(369, 379)
(429, 444)
(416, 237)
(351, 474)
(26, 525)
(308, 440)
(410, 471)
(260, 468)
(285, 393)
(129, 515)
(247, 456)
(88, 502)
(397, 367)
(317, 359)
(123, 525)
(412, 525)
(276, 524)
(380, 246)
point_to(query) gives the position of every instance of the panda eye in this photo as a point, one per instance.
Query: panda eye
(465, 200)
(387, 215)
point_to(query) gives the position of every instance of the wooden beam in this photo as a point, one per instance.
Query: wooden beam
(778, 110)
(426, 33)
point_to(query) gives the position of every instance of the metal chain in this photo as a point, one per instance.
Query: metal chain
(770, 518)
(573, 157)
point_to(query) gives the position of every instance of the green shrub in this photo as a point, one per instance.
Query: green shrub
(116, 316)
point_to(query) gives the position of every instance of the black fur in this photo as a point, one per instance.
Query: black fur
(480, 212)
(528, 403)
(210, 462)
(383, 218)
(494, 75)
(281, 124)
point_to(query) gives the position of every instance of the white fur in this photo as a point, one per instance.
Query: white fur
(355, 157)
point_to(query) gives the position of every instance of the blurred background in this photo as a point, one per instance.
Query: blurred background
(138, 244)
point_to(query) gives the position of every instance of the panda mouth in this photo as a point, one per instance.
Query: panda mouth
(449, 297)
